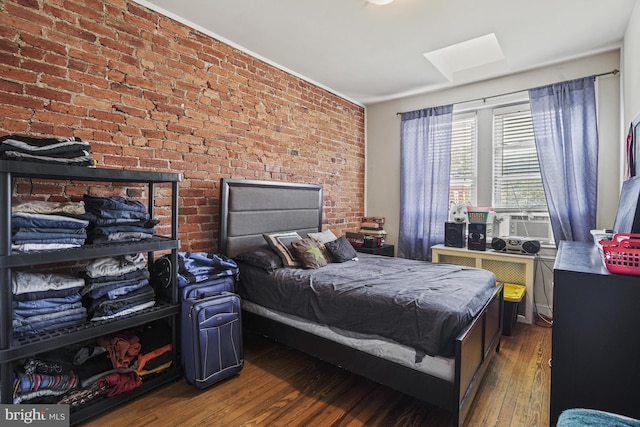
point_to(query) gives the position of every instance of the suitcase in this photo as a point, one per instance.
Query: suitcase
(211, 334)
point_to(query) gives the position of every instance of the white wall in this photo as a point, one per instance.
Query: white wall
(631, 68)
(382, 182)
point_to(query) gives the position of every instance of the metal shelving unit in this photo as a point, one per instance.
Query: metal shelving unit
(12, 349)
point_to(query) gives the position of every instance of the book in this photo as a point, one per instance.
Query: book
(371, 225)
(377, 219)
(373, 232)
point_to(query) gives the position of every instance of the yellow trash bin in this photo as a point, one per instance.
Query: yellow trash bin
(513, 294)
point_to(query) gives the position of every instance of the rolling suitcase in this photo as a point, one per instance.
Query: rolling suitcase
(211, 334)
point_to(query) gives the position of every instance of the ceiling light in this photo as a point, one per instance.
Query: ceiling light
(380, 2)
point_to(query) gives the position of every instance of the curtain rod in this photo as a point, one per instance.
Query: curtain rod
(483, 99)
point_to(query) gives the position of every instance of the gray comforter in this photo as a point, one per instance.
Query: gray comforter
(418, 304)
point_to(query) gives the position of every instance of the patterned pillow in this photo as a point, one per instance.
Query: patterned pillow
(341, 250)
(308, 252)
(322, 238)
(281, 243)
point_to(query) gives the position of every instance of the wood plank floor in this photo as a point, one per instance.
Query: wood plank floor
(282, 387)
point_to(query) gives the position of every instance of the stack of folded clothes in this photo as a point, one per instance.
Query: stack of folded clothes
(116, 219)
(37, 380)
(40, 225)
(45, 301)
(117, 286)
(63, 151)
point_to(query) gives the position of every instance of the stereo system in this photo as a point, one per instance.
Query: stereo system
(455, 234)
(515, 245)
(477, 238)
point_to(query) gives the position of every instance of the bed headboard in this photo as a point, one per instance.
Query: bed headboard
(250, 208)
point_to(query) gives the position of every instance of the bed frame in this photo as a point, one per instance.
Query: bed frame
(249, 208)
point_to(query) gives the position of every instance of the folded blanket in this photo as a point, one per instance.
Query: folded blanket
(579, 417)
(67, 151)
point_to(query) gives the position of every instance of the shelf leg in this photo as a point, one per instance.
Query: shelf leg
(6, 332)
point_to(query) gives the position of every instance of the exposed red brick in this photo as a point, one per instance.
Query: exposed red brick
(90, 9)
(150, 93)
(21, 17)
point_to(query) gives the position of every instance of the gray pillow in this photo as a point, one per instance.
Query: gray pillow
(341, 250)
(263, 257)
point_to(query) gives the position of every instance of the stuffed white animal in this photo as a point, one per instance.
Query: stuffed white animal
(457, 213)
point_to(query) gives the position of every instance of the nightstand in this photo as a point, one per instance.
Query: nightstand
(384, 250)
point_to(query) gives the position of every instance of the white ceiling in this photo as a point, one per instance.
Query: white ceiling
(370, 53)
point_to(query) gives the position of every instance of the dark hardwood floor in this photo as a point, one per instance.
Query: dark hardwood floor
(282, 387)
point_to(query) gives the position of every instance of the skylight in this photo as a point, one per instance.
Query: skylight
(470, 54)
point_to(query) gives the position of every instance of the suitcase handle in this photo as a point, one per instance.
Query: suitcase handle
(212, 294)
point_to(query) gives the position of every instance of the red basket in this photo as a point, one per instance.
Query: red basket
(622, 253)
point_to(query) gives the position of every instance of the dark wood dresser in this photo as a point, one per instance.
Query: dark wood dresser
(596, 335)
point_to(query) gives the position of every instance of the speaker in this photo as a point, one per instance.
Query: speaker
(454, 234)
(477, 239)
(498, 244)
(531, 246)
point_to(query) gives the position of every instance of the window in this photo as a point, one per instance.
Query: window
(494, 163)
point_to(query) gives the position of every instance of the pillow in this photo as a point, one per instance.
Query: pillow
(308, 252)
(322, 238)
(341, 250)
(263, 257)
(281, 244)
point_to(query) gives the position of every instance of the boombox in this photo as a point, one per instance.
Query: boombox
(515, 244)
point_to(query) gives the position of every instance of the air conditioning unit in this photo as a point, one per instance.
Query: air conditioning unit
(530, 225)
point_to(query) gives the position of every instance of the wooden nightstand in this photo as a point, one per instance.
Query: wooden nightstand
(384, 250)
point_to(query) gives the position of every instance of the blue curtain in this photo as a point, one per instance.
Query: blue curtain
(424, 180)
(566, 135)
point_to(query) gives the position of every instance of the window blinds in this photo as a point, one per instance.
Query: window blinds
(463, 175)
(516, 175)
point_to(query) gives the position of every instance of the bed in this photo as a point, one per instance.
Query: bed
(379, 341)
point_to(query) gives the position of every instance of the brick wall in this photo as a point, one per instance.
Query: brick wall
(150, 93)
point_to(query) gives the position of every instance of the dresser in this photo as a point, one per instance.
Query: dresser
(596, 335)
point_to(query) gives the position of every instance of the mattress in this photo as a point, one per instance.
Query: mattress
(437, 366)
(418, 304)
